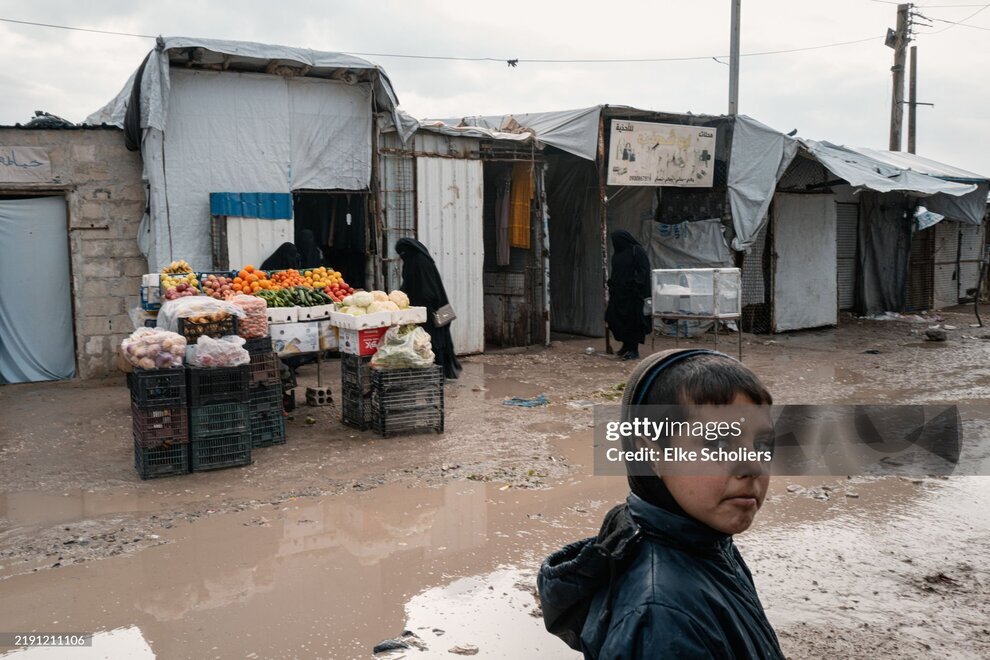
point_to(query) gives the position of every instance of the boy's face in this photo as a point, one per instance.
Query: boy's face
(726, 502)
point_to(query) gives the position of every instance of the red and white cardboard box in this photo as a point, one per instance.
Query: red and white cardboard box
(360, 342)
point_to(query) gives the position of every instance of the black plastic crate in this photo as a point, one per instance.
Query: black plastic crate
(388, 401)
(259, 345)
(158, 387)
(403, 379)
(355, 408)
(409, 421)
(264, 370)
(218, 385)
(162, 426)
(220, 451)
(161, 462)
(355, 372)
(218, 419)
(266, 418)
(193, 331)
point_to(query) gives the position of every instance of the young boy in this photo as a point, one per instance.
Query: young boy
(663, 578)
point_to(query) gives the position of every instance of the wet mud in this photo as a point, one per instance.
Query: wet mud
(339, 540)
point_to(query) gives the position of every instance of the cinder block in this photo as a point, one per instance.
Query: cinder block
(102, 268)
(100, 247)
(134, 266)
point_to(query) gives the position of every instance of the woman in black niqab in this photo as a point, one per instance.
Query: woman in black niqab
(286, 256)
(421, 282)
(309, 253)
(628, 286)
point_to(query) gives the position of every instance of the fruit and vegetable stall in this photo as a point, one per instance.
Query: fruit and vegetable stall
(204, 364)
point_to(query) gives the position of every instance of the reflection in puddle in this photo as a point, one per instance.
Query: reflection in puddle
(496, 612)
(121, 643)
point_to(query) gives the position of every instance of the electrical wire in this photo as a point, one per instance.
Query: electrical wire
(961, 22)
(510, 61)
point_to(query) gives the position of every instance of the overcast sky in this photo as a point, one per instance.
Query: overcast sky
(841, 94)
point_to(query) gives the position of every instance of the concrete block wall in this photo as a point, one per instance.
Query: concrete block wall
(105, 196)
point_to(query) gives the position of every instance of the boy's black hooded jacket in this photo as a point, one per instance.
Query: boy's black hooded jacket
(654, 584)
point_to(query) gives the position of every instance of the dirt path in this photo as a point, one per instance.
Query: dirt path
(343, 539)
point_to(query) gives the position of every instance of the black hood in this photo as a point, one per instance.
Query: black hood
(623, 240)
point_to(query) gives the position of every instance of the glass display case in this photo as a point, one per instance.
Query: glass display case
(704, 293)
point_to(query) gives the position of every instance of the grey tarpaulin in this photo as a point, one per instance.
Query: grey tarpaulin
(576, 283)
(36, 339)
(759, 157)
(884, 249)
(699, 244)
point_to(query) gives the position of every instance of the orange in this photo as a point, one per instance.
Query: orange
(249, 268)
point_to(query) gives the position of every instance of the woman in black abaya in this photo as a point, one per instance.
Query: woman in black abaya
(421, 282)
(628, 286)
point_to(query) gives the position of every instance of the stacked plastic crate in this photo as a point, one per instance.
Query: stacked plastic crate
(407, 400)
(355, 391)
(161, 422)
(219, 427)
(266, 420)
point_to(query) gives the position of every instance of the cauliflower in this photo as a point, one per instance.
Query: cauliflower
(362, 299)
(389, 306)
(400, 299)
(380, 296)
(347, 301)
(376, 306)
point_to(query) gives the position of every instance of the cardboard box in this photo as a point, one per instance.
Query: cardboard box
(315, 312)
(295, 338)
(409, 316)
(329, 341)
(349, 322)
(361, 342)
(283, 314)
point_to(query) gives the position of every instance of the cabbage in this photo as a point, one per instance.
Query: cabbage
(389, 306)
(362, 299)
(399, 298)
(347, 301)
(357, 311)
(380, 296)
(376, 306)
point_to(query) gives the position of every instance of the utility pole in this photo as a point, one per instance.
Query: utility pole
(900, 42)
(913, 101)
(734, 59)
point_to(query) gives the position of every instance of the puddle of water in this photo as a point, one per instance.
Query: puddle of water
(121, 643)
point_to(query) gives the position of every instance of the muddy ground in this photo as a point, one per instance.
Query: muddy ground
(339, 539)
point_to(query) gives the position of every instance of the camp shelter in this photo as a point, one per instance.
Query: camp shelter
(245, 145)
(863, 230)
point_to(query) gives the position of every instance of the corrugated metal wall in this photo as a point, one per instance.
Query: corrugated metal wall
(847, 220)
(970, 252)
(945, 275)
(449, 204)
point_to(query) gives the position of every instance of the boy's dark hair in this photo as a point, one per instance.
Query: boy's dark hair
(706, 379)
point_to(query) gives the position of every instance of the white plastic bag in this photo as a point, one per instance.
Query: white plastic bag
(154, 348)
(404, 347)
(195, 307)
(227, 351)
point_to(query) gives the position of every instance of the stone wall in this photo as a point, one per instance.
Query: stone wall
(101, 182)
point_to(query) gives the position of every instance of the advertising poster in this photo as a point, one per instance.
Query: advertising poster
(650, 154)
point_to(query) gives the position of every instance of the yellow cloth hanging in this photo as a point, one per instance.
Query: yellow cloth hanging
(519, 214)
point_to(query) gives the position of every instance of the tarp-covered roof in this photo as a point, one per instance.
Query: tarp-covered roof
(236, 56)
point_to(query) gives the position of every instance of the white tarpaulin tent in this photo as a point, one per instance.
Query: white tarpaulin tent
(243, 118)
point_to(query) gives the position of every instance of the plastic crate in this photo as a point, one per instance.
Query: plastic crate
(398, 400)
(218, 385)
(403, 379)
(218, 419)
(409, 421)
(264, 370)
(158, 387)
(355, 408)
(258, 346)
(220, 451)
(160, 427)
(355, 372)
(151, 298)
(267, 420)
(193, 331)
(161, 462)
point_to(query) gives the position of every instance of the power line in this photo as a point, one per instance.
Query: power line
(961, 22)
(77, 29)
(500, 59)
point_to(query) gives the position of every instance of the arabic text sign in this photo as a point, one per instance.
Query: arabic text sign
(649, 154)
(24, 165)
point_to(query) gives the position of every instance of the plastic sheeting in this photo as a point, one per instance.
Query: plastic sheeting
(884, 248)
(36, 339)
(573, 131)
(246, 132)
(698, 244)
(156, 80)
(759, 157)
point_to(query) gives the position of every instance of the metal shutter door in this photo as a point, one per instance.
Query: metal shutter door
(847, 219)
